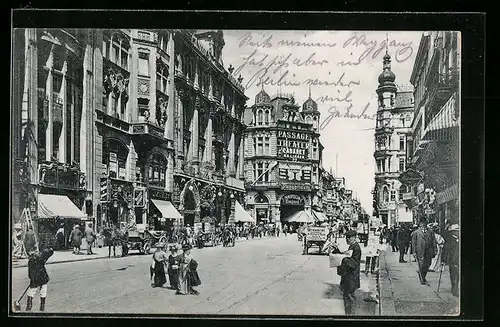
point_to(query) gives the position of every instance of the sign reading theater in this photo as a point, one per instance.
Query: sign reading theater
(293, 145)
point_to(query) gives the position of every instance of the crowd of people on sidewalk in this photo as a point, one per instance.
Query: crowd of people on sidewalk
(424, 244)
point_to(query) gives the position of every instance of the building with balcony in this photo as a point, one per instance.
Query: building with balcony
(392, 131)
(282, 157)
(432, 176)
(52, 110)
(134, 126)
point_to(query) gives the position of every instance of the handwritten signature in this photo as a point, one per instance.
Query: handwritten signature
(247, 41)
(404, 49)
(334, 112)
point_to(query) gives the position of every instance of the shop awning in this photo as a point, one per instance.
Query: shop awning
(52, 206)
(167, 209)
(445, 123)
(319, 216)
(300, 217)
(240, 214)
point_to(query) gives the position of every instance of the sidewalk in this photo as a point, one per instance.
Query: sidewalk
(99, 253)
(402, 294)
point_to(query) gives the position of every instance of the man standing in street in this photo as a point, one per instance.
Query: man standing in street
(402, 235)
(90, 237)
(349, 271)
(451, 256)
(424, 248)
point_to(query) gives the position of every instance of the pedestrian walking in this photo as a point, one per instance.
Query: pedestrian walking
(424, 247)
(160, 259)
(38, 276)
(185, 258)
(394, 238)
(349, 272)
(76, 239)
(60, 238)
(451, 256)
(401, 241)
(90, 237)
(285, 230)
(436, 261)
(173, 267)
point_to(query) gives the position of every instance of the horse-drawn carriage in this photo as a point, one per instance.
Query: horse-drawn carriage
(144, 240)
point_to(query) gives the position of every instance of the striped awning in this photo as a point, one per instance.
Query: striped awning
(444, 122)
(300, 217)
(167, 209)
(319, 216)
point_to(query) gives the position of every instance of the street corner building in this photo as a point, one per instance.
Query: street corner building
(125, 127)
(417, 136)
(284, 177)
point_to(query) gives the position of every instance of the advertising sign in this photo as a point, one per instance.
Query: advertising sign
(293, 145)
(197, 227)
(292, 199)
(317, 233)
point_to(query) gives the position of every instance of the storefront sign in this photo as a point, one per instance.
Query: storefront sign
(293, 145)
(139, 197)
(447, 195)
(292, 199)
(159, 195)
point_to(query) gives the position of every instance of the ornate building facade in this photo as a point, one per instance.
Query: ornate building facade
(282, 157)
(433, 171)
(134, 126)
(393, 126)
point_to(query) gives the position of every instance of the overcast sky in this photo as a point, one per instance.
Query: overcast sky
(341, 68)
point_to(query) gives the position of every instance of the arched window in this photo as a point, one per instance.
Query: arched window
(385, 194)
(114, 158)
(259, 117)
(261, 198)
(157, 168)
(266, 117)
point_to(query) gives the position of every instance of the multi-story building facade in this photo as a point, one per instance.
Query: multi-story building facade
(282, 157)
(133, 126)
(393, 125)
(432, 174)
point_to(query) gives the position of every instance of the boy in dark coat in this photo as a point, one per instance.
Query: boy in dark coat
(38, 276)
(349, 271)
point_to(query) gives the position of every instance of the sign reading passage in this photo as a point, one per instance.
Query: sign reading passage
(317, 233)
(293, 145)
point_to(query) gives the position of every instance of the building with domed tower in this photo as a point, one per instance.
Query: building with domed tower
(392, 130)
(283, 156)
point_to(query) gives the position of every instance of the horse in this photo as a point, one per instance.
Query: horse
(113, 237)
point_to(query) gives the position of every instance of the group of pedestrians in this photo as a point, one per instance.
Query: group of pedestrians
(75, 238)
(182, 269)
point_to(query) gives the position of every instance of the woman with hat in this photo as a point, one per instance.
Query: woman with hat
(186, 266)
(159, 258)
(76, 239)
(436, 261)
(173, 267)
(60, 237)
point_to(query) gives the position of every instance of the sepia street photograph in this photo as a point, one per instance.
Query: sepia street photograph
(235, 172)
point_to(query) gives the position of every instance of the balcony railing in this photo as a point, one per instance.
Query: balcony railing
(146, 128)
(113, 122)
(61, 176)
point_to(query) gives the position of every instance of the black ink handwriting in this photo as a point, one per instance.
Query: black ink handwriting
(246, 40)
(334, 112)
(339, 82)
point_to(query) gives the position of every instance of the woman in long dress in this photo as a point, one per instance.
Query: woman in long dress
(173, 267)
(436, 261)
(160, 258)
(185, 278)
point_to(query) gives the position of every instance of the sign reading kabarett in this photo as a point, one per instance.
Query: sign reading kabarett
(293, 145)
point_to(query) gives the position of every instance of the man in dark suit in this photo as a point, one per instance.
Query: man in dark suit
(349, 271)
(38, 275)
(402, 236)
(451, 255)
(425, 248)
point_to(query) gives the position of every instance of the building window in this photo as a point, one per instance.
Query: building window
(401, 164)
(254, 146)
(259, 117)
(266, 169)
(389, 165)
(124, 63)
(266, 117)
(260, 146)
(156, 170)
(260, 169)
(114, 158)
(105, 49)
(401, 143)
(267, 146)
(393, 195)
(143, 64)
(162, 79)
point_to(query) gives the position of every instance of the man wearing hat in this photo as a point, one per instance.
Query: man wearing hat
(424, 248)
(38, 275)
(349, 271)
(451, 255)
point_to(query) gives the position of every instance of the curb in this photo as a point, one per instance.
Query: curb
(97, 258)
(386, 293)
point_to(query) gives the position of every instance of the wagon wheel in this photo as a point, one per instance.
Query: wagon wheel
(146, 247)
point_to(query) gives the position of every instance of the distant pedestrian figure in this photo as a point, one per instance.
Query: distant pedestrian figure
(60, 238)
(424, 247)
(285, 230)
(402, 236)
(38, 276)
(394, 239)
(349, 272)
(76, 239)
(90, 237)
(185, 285)
(451, 256)
(160, 259)
(436, 261)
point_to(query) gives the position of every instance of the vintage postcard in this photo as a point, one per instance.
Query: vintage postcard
(205, 170)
